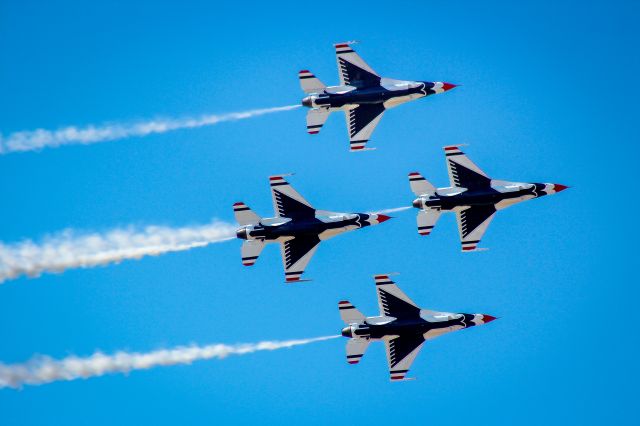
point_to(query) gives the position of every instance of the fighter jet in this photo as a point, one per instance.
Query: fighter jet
(363, 95)
(473, 196)
(402, 325)
(298, 227)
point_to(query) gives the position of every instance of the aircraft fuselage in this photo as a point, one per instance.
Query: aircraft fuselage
(428, 325)
(499, 195)
(275, 229)
(389, 92)
(338, 97)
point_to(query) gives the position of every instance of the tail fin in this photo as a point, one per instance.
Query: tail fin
(244, 215)
(349, 313)
(355, 349)
(419, 185)
(315, 119)
(310, 83)
(250, 251)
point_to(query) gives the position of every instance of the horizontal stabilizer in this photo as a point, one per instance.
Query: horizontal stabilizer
(315, 119)
(419, 185)
(244, 215)
(250, 251)
(427, 220)
(349, 313)
(310, 83)
(355, 349)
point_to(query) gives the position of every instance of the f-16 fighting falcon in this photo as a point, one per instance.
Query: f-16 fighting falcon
(473, 196)
(402, 325)
(298, 228)
(363, 95)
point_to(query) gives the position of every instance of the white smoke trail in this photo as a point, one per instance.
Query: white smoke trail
(32, 140)
(397, 209)
(41, 369)
(67, 250)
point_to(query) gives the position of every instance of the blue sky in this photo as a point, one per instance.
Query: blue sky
(548, 94)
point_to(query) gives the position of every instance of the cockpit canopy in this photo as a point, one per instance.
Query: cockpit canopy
(441, 317)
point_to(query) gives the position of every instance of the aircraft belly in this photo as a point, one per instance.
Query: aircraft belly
(437, 332)
(339, 106)
(503, 204)
(394, 102)
(330, 233)
(282, 239)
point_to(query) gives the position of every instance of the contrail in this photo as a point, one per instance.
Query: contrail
(397, 209)
(42, 369)
(32, 140)
(67, 249)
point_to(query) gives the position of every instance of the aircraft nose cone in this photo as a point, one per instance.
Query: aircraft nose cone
(307, 102)
(346, 332)
(383, 218)
(558, 188)
(487, 318)
(417, 203)
(448, 86)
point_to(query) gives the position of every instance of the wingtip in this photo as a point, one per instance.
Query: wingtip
(403, 379)
(385, 276)
(452, 147)
(474, 249)
(280, 176)
(288, 281)
(345, 43)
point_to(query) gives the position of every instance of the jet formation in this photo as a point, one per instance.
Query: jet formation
(297, 226)
(401, 325)
(473, 196)
(363, 95)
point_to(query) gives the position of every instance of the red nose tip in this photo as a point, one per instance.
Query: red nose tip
(557, 187)
(487, 318)
(448, 86)
(383, 218)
